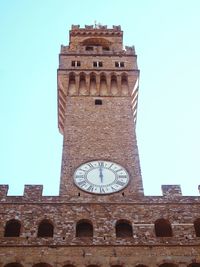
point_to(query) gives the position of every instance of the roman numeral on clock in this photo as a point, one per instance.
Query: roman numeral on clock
(79, 176)
(90, 165)
(82, 183)
(101, 164)
(120, 183)
(90, 188)
(101, 189)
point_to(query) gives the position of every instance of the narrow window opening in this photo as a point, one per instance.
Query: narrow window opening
(119, 64)
(79, 194)
(75, 63)
(123, 194)
(98, 102)
(98, 64)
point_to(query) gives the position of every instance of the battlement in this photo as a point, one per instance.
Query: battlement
(128, 51)
(33, 193)
(115, 28)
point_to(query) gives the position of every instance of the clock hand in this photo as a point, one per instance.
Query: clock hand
(101, 174)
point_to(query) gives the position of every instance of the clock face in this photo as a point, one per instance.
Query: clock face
(101, 177)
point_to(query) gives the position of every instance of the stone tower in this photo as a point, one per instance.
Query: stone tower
(97, 105)
(101, 216)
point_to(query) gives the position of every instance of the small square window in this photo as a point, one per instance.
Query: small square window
(122, 64)
(98, 102)
(117, 64)
(73, 63)
(100, 64)
(94, 64)
(78, 63)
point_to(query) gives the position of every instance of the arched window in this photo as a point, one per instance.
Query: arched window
(195, 264)
(12, 228)
(197, 227)
(84, 228)
(123, 229)
(13, 264)
(45, 229)
(163, 228)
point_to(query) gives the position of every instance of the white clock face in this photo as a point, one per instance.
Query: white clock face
(101, 177)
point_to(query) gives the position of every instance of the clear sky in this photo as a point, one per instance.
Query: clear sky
(166, 35)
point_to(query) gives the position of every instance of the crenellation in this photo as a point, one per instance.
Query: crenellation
(3, 191)
(171, 190)
(33, 192)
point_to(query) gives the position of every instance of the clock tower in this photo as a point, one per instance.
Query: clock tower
(97, 109)
(101, 218)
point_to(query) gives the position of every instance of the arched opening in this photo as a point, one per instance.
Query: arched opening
(82, 84)
(194, 264)
(140, 265)
(124, 79)
(45, 229)
(124, 84)
(12, 228)
(123, 229)
(93, 88)
(42, 264)
(13, 264)
(91, 42)
(92, 265)
(163, 228)
(84, 228)
(103, 85)
(68, 265)
(113, 86)
(116, 265)
(71, 77)
(72, 83)
(197, 227)
(166, 264)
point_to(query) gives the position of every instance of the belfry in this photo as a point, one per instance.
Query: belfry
(101, 217)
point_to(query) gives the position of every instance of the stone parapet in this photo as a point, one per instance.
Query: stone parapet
(33, 193)
(171, 190)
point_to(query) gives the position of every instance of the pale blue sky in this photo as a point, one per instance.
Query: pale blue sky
(166, 35)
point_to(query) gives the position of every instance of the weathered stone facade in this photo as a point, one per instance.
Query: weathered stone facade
(84, 229)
